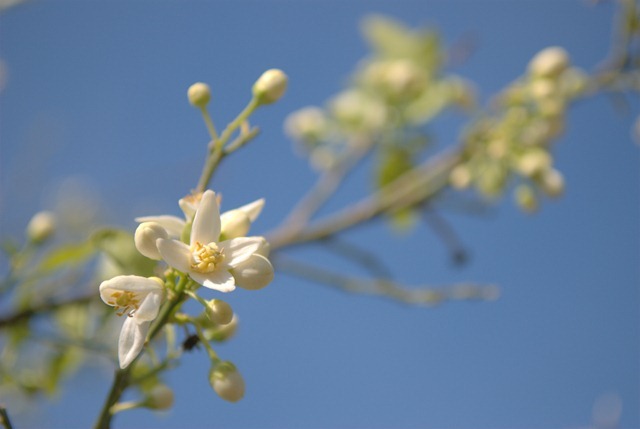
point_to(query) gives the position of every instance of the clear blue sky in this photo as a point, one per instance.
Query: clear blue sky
(96, 90)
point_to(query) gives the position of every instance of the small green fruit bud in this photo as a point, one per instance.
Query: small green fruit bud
(219, 312)
(227, 382)
(41, 226)
(145, 239)
(270, 87)
(199, 94)
(223, 332)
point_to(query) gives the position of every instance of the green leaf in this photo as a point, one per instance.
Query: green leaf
(67, 255)
(119, 246)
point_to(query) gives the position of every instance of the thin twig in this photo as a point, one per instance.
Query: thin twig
(446, 234)
(4, 418)
(424, 295)
(366, 259)
(46, 307)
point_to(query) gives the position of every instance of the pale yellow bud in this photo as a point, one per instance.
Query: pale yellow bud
(552, 183)
(145, 239)
(227, 382)
(41, 226)
(549, 62)
(219, 312)
(270, 87)
(542, 88)
(234, 223)
(460, 177)
(199, 94)
(309, 123)
(533, 162)
(160, 398)
(222, 332)
(526, 198)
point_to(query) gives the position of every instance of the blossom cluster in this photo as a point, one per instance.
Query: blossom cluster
(215, 253)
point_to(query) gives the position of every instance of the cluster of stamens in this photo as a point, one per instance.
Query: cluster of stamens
(206, 257)
(124, 302)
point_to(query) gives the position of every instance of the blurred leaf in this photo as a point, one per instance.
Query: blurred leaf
(120, 247)
(67, 255)
(391, 39)
(60, 364)
(394, 162)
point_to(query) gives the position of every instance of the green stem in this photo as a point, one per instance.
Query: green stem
(4, 418)
(216, 152)
(209, 122)
(121, 379)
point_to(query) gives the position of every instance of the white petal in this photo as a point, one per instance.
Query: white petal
(206, 223)
(149, 307)
(220, 280)
(253, 209)
(139, 285)
(240, 249)
(174, 225)
(131, 340)
(234, 223)
(175, 253)
(254, 273)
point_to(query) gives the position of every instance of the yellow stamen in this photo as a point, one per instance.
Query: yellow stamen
(205, 258)
(125, 302)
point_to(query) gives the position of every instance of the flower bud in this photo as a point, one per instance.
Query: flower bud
(227, 381)
(270, 87)
(526, 198)
(234, 223)
(254, 273)
(222, 332)
(309, 124)
(199, 95)
(552, 183)
(460, 177)
(549, 62)
(219, 312)
(533, 162)
(160, 397)
(145, 239)
(41, 226)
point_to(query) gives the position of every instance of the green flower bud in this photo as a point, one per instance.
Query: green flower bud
(534, 162)
(270, 87)
(199, 95)
(219, 312)
(227, 381)
(41, 226)
(222, 332)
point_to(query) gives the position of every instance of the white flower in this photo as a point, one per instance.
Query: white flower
(205, 259)
(139, 298)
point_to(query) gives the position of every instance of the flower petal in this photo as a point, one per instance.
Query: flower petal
(174, 225)
(239, 249)
(139, 285)
(254, 273)
(253, 209)
(131, 340)
(206, 223)
(175, 253)
(149, 307)
(220, 280)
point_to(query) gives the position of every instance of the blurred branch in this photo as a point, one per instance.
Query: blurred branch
(445, 232)
(415, 186)
(427, 296)
(366, 259)
(46, 307)
(4, 418)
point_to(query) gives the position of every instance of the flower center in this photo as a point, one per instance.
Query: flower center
(125, 302)
(205, 257)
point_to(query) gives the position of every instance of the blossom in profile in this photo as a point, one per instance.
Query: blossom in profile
(138, 298)
(209, 260)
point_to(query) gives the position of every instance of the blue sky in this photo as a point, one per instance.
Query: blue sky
(97, 91)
